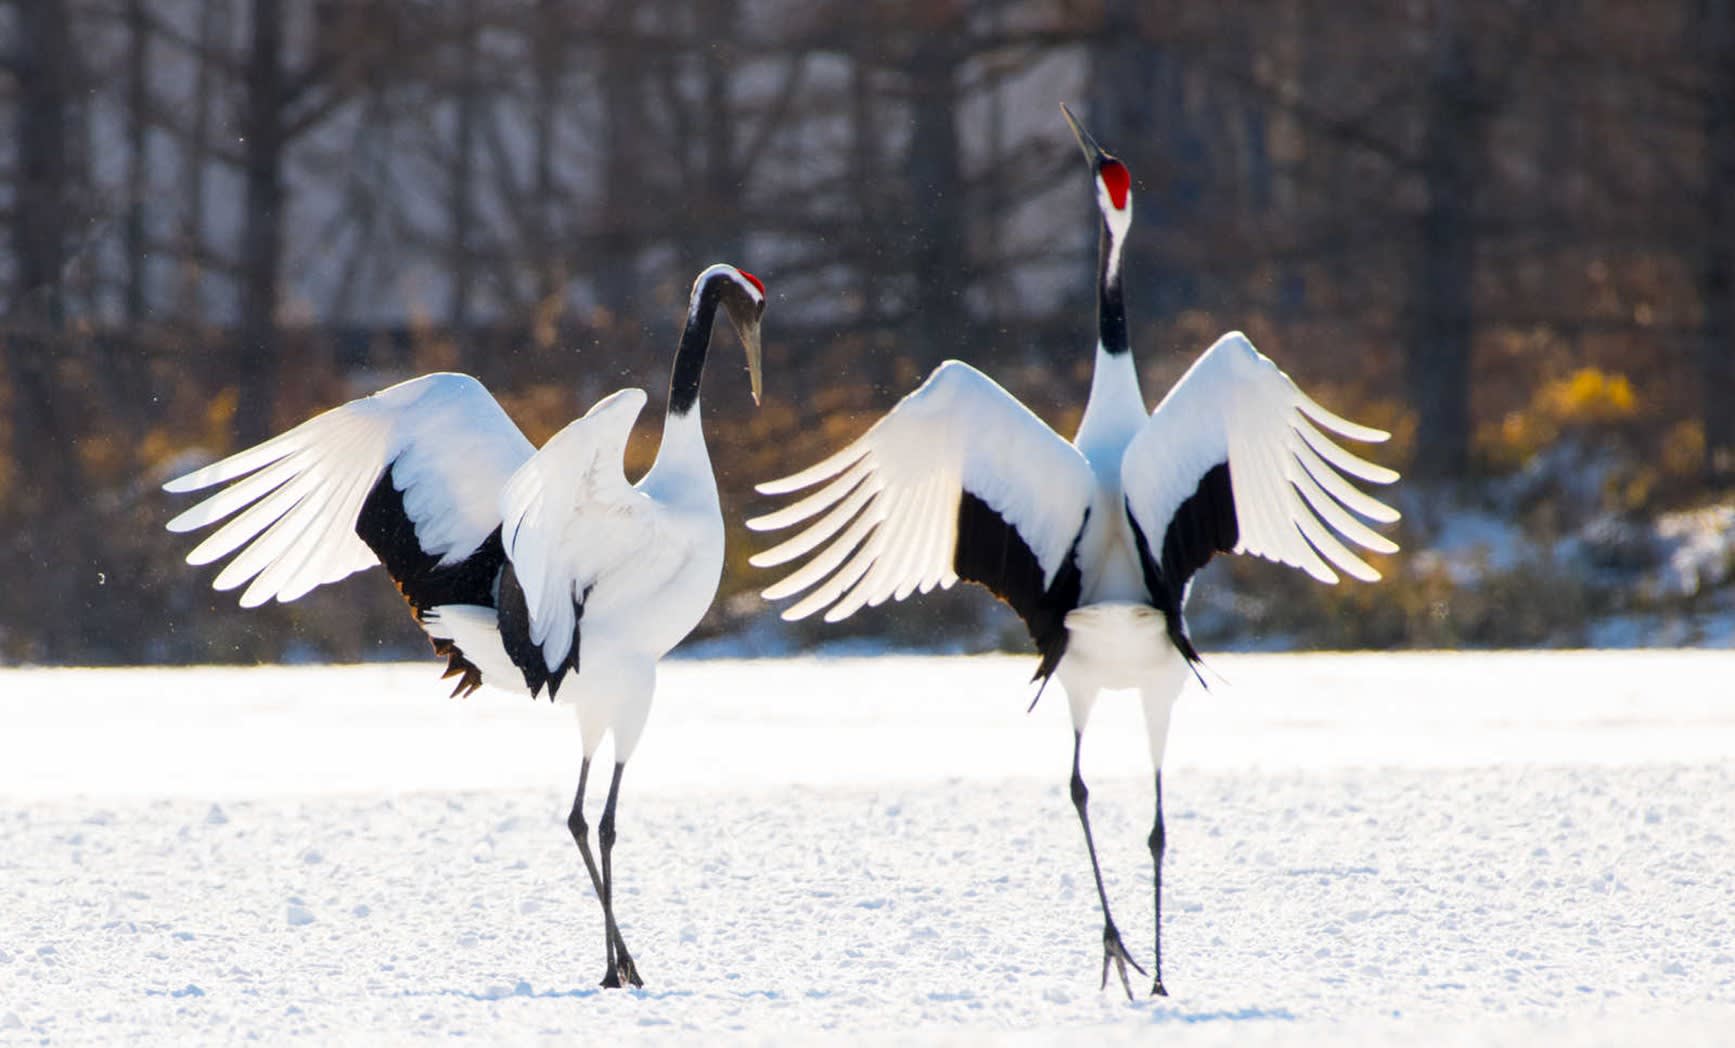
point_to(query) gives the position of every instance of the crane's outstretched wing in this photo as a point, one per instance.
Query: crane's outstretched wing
(569, 520)
(410, 476)
(1231, 460)
(959, 480)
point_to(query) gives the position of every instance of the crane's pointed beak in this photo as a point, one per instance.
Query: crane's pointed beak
(1092, 152)
(744, 314)
(755, 369)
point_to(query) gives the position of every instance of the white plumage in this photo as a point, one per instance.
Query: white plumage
(1234, 405)
(448, 444)
(891, 515)
(571, 524)
(1094, 542)
(529, 568)
(960, 431)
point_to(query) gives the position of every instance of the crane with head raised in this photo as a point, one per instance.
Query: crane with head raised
(1094, 542)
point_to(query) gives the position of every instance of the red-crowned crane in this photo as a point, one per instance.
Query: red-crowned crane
(540, 569)
(1094, 543)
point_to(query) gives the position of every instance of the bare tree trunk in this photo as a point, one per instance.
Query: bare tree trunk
(213, 19)
(722, 190)
(864, 180)
(262, 237)
(622, 75)
(995, 199)
(138, 158)
(43, 64)
(463, 187)
(1437, 364)
(547, 51)
(1291, 40)
(43, 424)
(934, 174)
(1716, 276)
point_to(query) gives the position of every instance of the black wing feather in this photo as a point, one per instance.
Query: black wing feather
(514, 619)
(991, 552)
(1203, 526)
(419, 576)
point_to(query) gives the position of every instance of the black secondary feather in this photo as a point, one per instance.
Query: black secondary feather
(1203, 525)
(424, 583)
(990, 551)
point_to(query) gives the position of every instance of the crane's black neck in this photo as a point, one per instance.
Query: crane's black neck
(695, 343)
(1111, 313)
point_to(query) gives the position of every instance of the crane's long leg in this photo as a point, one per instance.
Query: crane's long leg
(1113, 952)
(581, 834)
(1156, 843)
(622, 971)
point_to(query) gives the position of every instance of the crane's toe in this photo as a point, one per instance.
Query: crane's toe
(1114, 953)
(624, 973)
(1157, 987)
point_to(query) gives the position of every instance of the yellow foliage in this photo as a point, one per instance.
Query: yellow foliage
(1589, 396)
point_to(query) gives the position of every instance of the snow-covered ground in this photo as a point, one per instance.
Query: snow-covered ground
(1473, 848)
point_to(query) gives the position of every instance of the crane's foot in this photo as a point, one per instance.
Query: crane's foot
(624, 973)
(1113, 952)
(1157, 987)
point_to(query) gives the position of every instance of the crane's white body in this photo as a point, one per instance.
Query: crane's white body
(648, 563)
(644, 559)
(1115, 639)
(892, 525)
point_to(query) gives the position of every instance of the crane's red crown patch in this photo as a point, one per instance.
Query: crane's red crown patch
(751, 279)
(1117, 181)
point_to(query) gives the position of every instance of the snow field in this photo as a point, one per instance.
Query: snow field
(1359, 850)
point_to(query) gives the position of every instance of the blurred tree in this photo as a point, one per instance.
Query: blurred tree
(138, 171)
(548, 42)
(866, 241)
(265, 142)
(45, 66)
(284, 100)
(213, 24)
(626, 169)
(466, 41)
(1440, 334)
(45, 204)
(721, 208)
(1714, 32)
(935, 237)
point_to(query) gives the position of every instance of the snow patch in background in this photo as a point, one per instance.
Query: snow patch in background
(1700, 547)
(1468, 544)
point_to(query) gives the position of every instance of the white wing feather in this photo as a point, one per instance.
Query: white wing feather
(1234, 405)
(569, 519)
(295, 498)
(888, 519)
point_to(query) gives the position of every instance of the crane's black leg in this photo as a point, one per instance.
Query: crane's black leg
(624, 971)
(1156, 843)
(581, 834)
(1113, 952)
